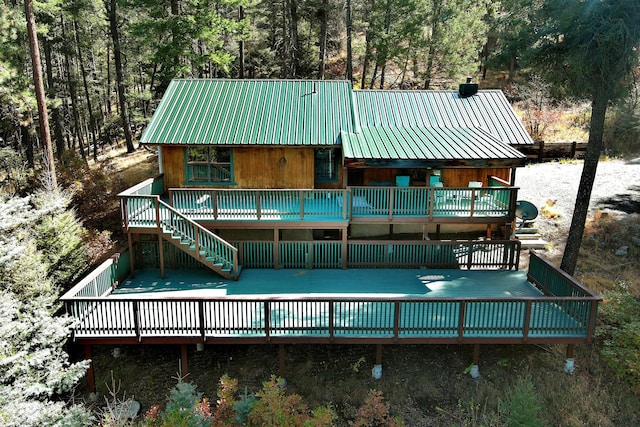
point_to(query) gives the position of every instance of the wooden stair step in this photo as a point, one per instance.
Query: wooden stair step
(527, 230)
(534, 244)
(528, 236)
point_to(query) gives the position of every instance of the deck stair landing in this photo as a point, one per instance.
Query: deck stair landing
(531, 238)
(204, 255)
(149, 212)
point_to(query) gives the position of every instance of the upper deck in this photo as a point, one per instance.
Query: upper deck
(255, 208)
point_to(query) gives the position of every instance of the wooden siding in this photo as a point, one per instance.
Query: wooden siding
(173, 166)
(267, 167)
(451, 177)
(462, 177)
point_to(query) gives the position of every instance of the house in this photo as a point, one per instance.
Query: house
(304, 211)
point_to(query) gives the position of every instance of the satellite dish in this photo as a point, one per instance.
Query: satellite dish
(526, 211)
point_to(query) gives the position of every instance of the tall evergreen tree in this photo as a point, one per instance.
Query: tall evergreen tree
(589, 49)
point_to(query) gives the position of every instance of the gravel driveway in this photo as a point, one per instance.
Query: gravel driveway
(616, 190)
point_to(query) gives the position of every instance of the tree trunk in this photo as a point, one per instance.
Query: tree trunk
(368, 37)
(49, 164)
(92, 121)
(385, 50)
(293, 48)
(241, 46)
(55, 111)
(592, 155)
(27, 145)
(111, 6)
(349, 49)
(435, 38)
(74, 99)
(323, 12)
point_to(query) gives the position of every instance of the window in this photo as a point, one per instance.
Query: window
(209, 165)
(326, 165)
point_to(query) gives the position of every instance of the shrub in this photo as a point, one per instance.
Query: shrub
(375, 412)
(523, 405)
(621, 332)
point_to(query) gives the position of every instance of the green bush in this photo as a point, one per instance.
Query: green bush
(523, 405)
(620, 330)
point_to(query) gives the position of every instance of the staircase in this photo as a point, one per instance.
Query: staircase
(530, 238)
(198, 242)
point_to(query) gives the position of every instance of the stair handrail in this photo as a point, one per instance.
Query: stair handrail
(157, 203)
(201, 229)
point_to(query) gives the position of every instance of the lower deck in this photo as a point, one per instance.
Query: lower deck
(412, 305)
(331, 283)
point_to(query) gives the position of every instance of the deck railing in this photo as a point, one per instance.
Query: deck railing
(335, 319)
(568, 318)
(98, 283)
(281, 205)
(340, 205)
(490, 254)
(142, 208)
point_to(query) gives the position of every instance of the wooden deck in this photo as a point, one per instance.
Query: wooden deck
(321, 208)
(334, 306)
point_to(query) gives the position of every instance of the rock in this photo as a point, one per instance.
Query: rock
(636, 240)
(127, 410)
(622, 251)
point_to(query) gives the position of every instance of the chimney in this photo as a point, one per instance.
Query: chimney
(468, 89)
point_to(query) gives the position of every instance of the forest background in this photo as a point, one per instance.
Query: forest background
(106, 65)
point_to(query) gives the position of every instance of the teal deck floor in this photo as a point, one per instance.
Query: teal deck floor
(386, 283)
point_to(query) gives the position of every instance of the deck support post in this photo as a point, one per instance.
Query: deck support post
(184, 365)
(437, 231)
(569, 366)
(281, 360)
(132, 264)
(488, 231)
(474, 371)
(345, 247)
(376, 372)
(276, 248)
(91, 379)
(161, 254)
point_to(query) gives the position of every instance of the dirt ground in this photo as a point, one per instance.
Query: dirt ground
(423, 385)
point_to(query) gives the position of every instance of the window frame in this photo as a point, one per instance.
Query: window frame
(189, 179)
(333, 162)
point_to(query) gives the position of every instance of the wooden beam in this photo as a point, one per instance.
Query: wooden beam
(161, 255)
(282, 360)
(132, 268)
(378, 354)
(184, 364)
(570, 351)
(91, 379)
(476, 354)
(345, 245)
(276, 248)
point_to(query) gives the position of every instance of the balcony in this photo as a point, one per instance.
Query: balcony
(320, 207)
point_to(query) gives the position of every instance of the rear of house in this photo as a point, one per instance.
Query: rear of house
(305, 184)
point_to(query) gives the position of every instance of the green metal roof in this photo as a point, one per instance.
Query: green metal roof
(488, 110)
(251, 112)
(370, 124)
(425, 143)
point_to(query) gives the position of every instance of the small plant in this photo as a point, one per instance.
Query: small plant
(472, 414)
(523, 405)
(356, 366)
(621, 332)
(243, 407)
(375, 412)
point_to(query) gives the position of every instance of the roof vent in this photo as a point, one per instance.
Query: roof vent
(468, 89)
